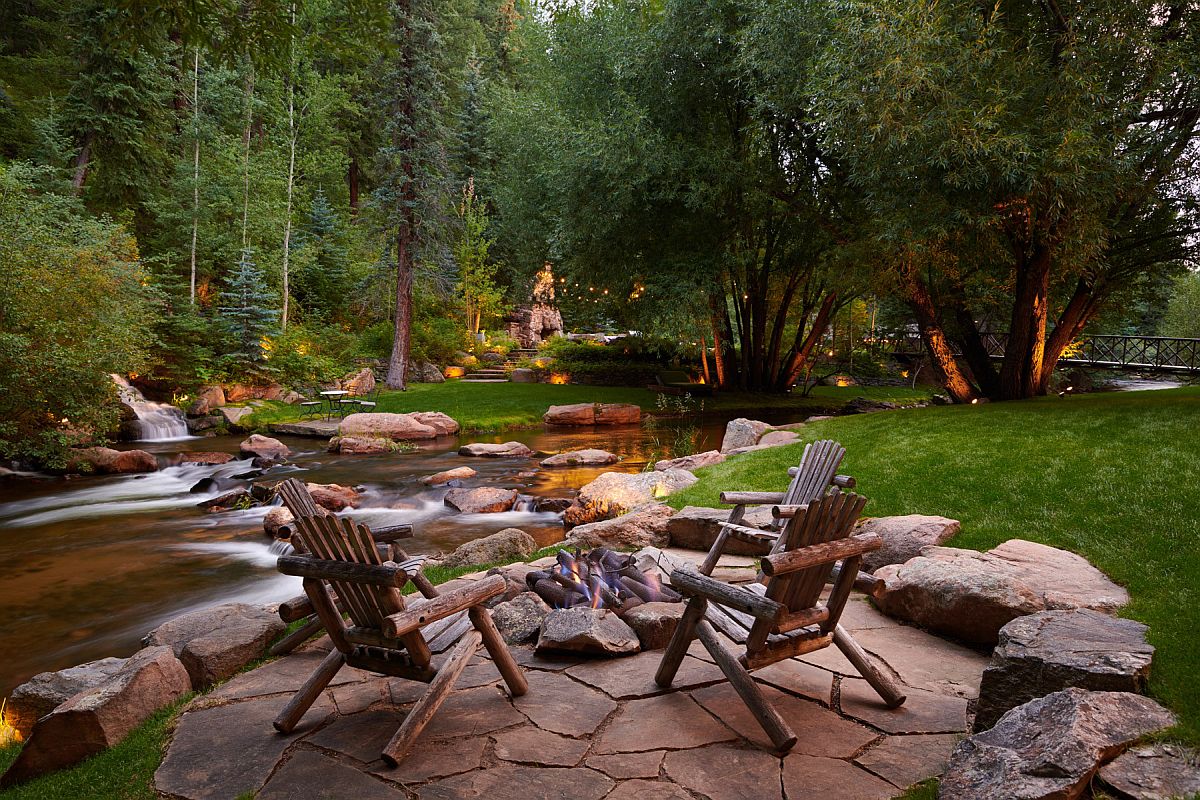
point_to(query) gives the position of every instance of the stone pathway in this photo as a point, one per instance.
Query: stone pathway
(588, 729)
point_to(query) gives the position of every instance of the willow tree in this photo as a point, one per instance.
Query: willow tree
(1025, 164)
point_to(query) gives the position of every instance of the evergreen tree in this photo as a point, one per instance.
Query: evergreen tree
(247, 307)
(321, 283)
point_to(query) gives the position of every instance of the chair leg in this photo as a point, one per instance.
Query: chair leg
(432, 700)
(685, 631)
(880, 681)
(498, 650)
(780, 734)
(297, 637)
(307, 694)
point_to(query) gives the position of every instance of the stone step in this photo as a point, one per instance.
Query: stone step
(484, 380)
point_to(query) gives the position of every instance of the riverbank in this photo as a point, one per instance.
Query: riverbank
(1114, 477)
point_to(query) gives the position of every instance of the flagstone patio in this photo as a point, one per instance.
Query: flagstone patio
(587, 729)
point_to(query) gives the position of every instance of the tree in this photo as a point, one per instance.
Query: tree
(477, 274)
(1183, 309)
(322, 280)
(247, 308)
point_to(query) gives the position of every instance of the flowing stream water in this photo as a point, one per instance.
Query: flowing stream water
(95, 563)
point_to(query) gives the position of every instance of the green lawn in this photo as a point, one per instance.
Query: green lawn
(486, 407)
(1114, 477)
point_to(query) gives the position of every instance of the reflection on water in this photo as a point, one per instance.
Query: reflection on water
(94, 563)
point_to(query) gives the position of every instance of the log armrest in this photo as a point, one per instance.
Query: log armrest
(390, 533)
(692, 583)
(442, 606)
(388, 575)
(749, 535)
(817, 554)
(787, 512)
(751, 498)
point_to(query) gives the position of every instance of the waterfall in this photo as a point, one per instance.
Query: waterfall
(156, 422)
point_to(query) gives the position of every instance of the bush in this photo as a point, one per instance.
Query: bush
(630, 361)
(312, 355)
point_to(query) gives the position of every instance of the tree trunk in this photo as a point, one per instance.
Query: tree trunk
(397, 377)
(352, 181)
(934, 337)
(195, 172)
(1025, 350)
(249, 101)
(291, 176)
(82, 161)
(1075, 316)
(398, 366)
(704, 358)
(802, 348)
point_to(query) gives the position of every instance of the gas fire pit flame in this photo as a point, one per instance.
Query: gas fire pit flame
(601, 578)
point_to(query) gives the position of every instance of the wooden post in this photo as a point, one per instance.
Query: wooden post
(685, 631)
(715, 552)
(498, 650)
(881, 682)
(296, 638)
(780, 734)
(309, 692)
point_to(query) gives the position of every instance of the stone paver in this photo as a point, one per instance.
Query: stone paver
(860, 615)
(927, 662)
(812, 778)
(521, 783)
(648, 790)
(722, 772)
(355, 697)
(473, 712)
(672, 721)
(557, 703)
(797, 677)
(632, 677)
(549, 662)
(628, 765)
(905, 760)
(820, 731)
(922, 712)
(436, 759)
(361, 736)
(530, 745)
(313, 775)
(283, 676)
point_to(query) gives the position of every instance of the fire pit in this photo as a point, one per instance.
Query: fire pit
(600, 578)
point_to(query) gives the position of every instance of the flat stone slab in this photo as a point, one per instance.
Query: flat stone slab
(927, 662)
(905, 760)
(722, 772)
(629, 765)
(819, 731)
(355, 697)
(633, 676)
(530, 745)
(1153, 772)
(556, 703)
(648, 790)
(1052, 650)
(284, 675)
(432, 758)
(797, 677)
(313, 775)
(670, 721)
(317, 429)
(922, 712)
(521, 783)
(473, 712)
(810, 777)
(361, 736)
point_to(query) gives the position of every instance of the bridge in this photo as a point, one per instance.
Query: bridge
(1151, 353)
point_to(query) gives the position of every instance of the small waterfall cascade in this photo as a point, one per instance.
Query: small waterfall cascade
(156, 422)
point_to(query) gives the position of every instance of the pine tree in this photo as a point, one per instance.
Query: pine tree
(247, 308)
(321, 285)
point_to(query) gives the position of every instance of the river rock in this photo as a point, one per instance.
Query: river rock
(582, 414)
(445, 476)
(236, 498)
(1049, 748)
(265, 448)
(581, 458)
(654, 623)
(861, 405)
(615, 493)
(334, 496)
(742, 432)
(208, 399)
(520, 620)
(379, 425)
(1153, 772)
(595, 631)
(210, 459)
(552, 505)
(646, 527)
(972, 595)
(904, 537)
(106, 461)
(214, 643)
(276, 521)
(481, 500)
(99, 717)
(359, 383)
(505, 450)
(232, 416)
(523, 375)
(46, 691)
(692, 462)
(510, 544)
(360, 445)
(696, 528)
(203, 425)
(1053, 650)
(444, 424)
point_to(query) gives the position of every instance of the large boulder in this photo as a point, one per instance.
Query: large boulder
(46, 691)
(523, 375)
(232, 416)
(360, 445)
(520, 620)
(510, 544)
(99, 717)
(615, 493)
(646, 527)
(208, 399)
(481, 500)
(1052, 650)
(1049, 748)
(589, 457)
(594, 631)
(904, 537)
(359, 383)
(211, 459)
(214, 643)
(582, 414)
(445, 476)
(1153, 772)
(444, 424)
(271, 451)
(692, 462)
(972, 595)
(742, 432)
(106, 461)
(697, 527)
(333, 496)
(504, 450)
(430, 373)
(778, 438)
(397, 427)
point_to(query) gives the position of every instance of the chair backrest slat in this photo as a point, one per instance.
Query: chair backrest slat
(297, 498)
(826, 519)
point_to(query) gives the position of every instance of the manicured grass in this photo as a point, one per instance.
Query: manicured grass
(1113, 477)
(486, 407)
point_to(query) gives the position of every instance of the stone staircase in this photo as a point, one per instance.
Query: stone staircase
(518, 355)
(487, 374)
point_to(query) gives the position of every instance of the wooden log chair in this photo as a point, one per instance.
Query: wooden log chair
(386, 635)
(786, 617)
(299, 501)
